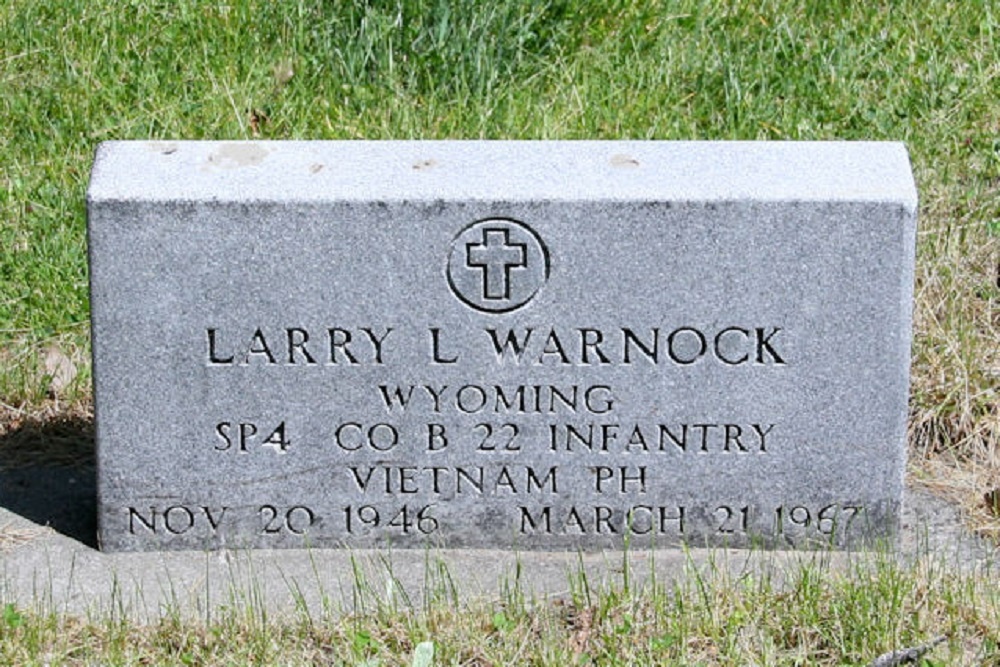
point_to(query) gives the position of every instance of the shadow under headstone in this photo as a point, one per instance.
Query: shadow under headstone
(48, 475)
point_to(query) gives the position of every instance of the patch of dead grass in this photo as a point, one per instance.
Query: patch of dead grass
(955, 395)
(56, 369)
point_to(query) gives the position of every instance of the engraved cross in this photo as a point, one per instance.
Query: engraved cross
(495, 257)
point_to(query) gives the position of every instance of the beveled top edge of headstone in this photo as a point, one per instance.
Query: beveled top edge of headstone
(323, 171)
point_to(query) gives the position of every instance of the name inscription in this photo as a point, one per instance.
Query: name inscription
(682, 345)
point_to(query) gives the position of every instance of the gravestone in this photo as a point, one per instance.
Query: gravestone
(517, 345)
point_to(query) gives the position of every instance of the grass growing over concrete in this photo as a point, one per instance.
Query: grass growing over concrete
(803, 615)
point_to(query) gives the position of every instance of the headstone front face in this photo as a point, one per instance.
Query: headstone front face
(530, 345)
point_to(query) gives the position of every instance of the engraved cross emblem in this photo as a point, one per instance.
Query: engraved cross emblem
(496, 256)
(497, 265)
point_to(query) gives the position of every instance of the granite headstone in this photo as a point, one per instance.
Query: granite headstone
(523, 345)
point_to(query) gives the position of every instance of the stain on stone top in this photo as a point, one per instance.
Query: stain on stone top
(163, 147)
(622, 160)
(237, 154)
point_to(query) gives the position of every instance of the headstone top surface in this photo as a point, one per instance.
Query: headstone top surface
(507, 170)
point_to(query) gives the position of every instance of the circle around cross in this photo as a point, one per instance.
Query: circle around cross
(497, 265)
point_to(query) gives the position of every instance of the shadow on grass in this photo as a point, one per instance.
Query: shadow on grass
(47, 472)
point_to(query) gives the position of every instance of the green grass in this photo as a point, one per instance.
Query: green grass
(807, 614)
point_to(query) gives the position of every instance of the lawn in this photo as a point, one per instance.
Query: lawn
(799, 616)
(77, 72)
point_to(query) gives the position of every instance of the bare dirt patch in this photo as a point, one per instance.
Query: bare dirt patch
(52, 434)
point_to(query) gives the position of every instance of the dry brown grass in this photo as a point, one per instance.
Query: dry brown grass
(955, 395)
